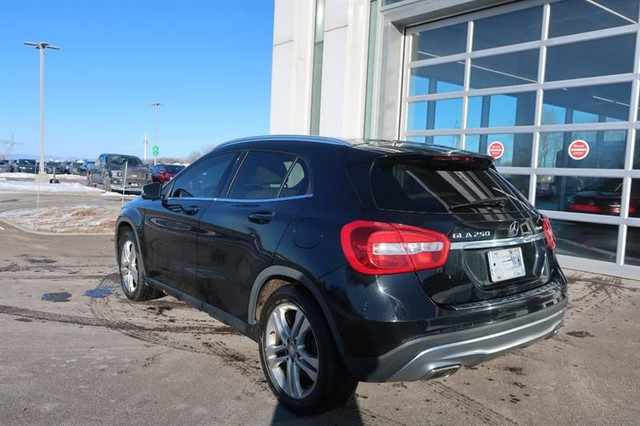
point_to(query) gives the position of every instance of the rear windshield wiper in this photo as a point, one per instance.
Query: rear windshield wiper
(489, 202)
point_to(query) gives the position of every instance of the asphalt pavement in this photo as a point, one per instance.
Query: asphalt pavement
(74, 350)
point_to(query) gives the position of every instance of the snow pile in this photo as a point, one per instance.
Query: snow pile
(18, 175)
(83, 219)
(23, 186)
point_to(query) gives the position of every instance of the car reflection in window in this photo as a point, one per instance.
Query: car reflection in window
(602, 198)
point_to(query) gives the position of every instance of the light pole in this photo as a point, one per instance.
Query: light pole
(41, 46)
(155, 131)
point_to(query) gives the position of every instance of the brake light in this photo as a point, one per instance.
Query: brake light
(377, 248)
(549, 235)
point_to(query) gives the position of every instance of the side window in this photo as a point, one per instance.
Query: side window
(261, 175)
(205, 179)
(297, 182)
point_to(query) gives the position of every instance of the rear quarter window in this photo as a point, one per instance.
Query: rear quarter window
(427, 187)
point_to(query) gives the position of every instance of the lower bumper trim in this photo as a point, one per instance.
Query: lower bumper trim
(437, 355)
(475, 351)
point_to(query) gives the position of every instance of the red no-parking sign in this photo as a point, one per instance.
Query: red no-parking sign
(578, 149)
(496, 149)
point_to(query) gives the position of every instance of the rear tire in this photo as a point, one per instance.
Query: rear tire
(131, 277)
(299, 356)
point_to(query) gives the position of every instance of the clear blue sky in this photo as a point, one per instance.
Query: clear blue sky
(208, 61)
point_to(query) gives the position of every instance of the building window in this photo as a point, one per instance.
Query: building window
(556, 84)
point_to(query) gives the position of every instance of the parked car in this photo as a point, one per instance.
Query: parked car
(56, 167)
(75, 168)
(5, 167)
(87, 167)
(163, 173)
(109, 171)
(348, 261)
(604, 198)
(24, 166)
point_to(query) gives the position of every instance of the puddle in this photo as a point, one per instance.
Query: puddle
(56, 297)
(99, 292)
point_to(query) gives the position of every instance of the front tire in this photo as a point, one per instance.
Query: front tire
(298, 354)
(131, 277)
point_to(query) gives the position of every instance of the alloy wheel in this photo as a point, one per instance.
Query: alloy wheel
(291, 350)
(129, 266)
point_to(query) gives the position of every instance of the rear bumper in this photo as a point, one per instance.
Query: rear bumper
(431, 356)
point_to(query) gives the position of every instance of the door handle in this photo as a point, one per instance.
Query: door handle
(191, 210)
(261, 217)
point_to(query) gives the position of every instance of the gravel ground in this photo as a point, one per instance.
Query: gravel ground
(76, 351)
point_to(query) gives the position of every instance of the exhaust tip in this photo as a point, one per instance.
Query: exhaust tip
(442, 372)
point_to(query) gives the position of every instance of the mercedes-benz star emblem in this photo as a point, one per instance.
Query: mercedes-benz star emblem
(514, 229)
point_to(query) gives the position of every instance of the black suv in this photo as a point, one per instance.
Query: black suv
(348, 261)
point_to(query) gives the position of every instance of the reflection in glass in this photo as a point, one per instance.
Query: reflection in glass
(606, 149)
(579, 194)
(605, 56)
(636, 152)
(517, 147)
(575, 16)
(509, 28)
(450, 141)
(589, 240)
(439, 42)
(590, 104)
(440, 78)
(521, 183)
(632, 256)
(505, 70)
(634, 201)
(516, 109)
(443, 114)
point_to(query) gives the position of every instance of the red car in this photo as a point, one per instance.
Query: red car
(163, 173)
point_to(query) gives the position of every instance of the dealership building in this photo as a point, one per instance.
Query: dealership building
(548, 88)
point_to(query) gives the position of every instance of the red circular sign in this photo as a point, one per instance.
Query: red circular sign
(578, 149)
(496, 149)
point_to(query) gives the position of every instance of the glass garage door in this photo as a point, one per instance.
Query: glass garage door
(550, 90)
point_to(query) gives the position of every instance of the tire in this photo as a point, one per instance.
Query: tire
(290, 368)
(89, 180)
(106, 183)
(131, 277)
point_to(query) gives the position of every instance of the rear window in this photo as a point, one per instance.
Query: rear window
(428, 187)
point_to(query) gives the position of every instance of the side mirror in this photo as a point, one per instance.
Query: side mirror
(152, 191)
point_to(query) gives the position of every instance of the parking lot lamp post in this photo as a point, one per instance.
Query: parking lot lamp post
(41, 46)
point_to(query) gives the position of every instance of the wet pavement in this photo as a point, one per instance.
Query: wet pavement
(94, 357)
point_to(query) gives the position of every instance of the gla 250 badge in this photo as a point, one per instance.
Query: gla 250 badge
(470, 235)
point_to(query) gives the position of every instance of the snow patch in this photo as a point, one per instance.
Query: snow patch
(24, 186)
(83, 219)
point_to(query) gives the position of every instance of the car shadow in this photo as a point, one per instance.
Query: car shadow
(349, 414)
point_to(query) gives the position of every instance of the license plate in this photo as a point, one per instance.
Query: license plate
(134, 184)
(506, 264)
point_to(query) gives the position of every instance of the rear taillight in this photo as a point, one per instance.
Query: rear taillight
(548, 233)
(377, 248)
